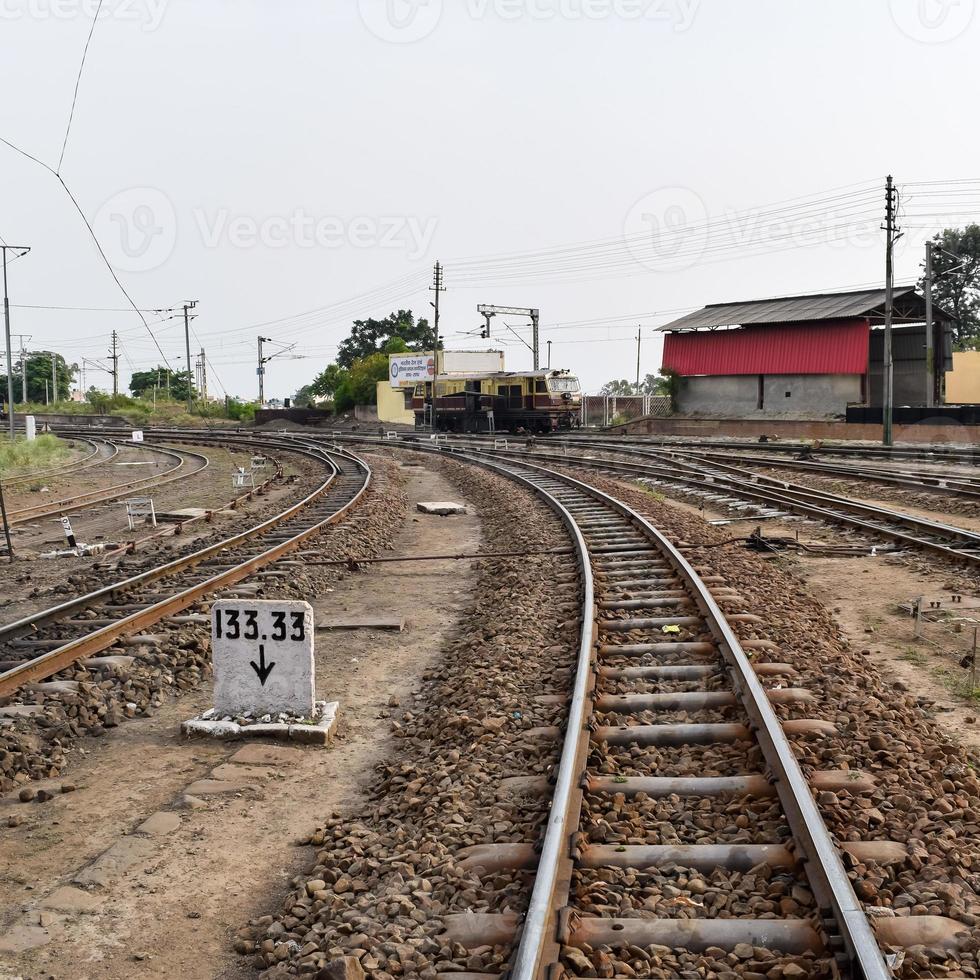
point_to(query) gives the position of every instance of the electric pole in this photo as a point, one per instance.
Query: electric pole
(261, 370)
(639, 335)
(930, 338)
(23, 249)
(188, 306)
(549, 355)
(888, 380)
(114, 357)
(54, 376)
(204, 376)
(437, 287)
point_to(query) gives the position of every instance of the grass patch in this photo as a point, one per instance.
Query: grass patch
(656, 494)
(912, 656)
(957, 683)
(21, 456)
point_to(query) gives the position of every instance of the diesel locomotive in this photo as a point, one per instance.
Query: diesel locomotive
(530, 401)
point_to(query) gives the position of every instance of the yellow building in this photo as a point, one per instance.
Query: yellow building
(963, 382)
(391, 404)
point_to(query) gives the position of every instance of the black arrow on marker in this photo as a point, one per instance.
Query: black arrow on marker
(262, 668)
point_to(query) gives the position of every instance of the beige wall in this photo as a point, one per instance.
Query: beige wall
(963, 382)
(391, 405)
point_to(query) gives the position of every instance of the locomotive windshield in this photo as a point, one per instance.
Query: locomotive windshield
(562, 385)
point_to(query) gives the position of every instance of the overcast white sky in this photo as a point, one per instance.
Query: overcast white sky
(273, 159)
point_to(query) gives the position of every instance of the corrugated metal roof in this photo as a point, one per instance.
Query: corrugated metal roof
(788, 309)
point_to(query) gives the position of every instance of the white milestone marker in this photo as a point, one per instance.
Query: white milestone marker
(262, 651)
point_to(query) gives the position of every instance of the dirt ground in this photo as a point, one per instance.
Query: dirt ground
(114, 897)
(865, 594)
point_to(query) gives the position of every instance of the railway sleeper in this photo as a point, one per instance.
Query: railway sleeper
(700, 734)
(791, 936)
(692, 700)
(491, 859)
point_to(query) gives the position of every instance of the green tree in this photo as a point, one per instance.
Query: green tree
(360, 386)
(303, 397)
(618, 388)
(370, 336)
(39, 373)
(143, 383)
(326, 383)
(956, 282)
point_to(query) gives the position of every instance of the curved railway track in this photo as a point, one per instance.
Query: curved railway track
(728, 485)
(36, 647)
(188, 464)
(930, 481)
(925, 454)
(659, 667)
(655, 643)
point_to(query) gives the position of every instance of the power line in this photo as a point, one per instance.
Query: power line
(87, 309)
(78, 82)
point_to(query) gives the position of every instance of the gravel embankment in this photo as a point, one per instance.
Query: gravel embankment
(384, 875)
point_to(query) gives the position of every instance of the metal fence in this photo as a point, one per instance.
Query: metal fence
(602, 410)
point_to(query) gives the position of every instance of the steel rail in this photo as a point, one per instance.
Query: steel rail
(806, 493)
(70, 505)
(807, 503)
(824, 867)
(953, 484)
(29, 624)
(823, 861)
(925, 453)
(55, 660)
(177, 527)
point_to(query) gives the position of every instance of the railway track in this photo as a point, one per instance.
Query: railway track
(661, 678)
(36, 647)
(725, 485)
(930, 454)
(657, 650)
(187, 464)
(930, 481)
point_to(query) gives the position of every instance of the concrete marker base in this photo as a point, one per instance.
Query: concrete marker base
(319, 732)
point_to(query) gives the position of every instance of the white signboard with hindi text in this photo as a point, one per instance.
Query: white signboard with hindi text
(262, 653)
(410, 369)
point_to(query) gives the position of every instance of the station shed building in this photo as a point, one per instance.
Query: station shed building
(804, 356)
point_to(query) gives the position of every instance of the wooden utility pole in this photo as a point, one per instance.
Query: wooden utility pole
(888, 367)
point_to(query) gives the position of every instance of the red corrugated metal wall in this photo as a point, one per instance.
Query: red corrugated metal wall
(823, 347)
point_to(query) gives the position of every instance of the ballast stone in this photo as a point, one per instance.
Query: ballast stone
(441, 508)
